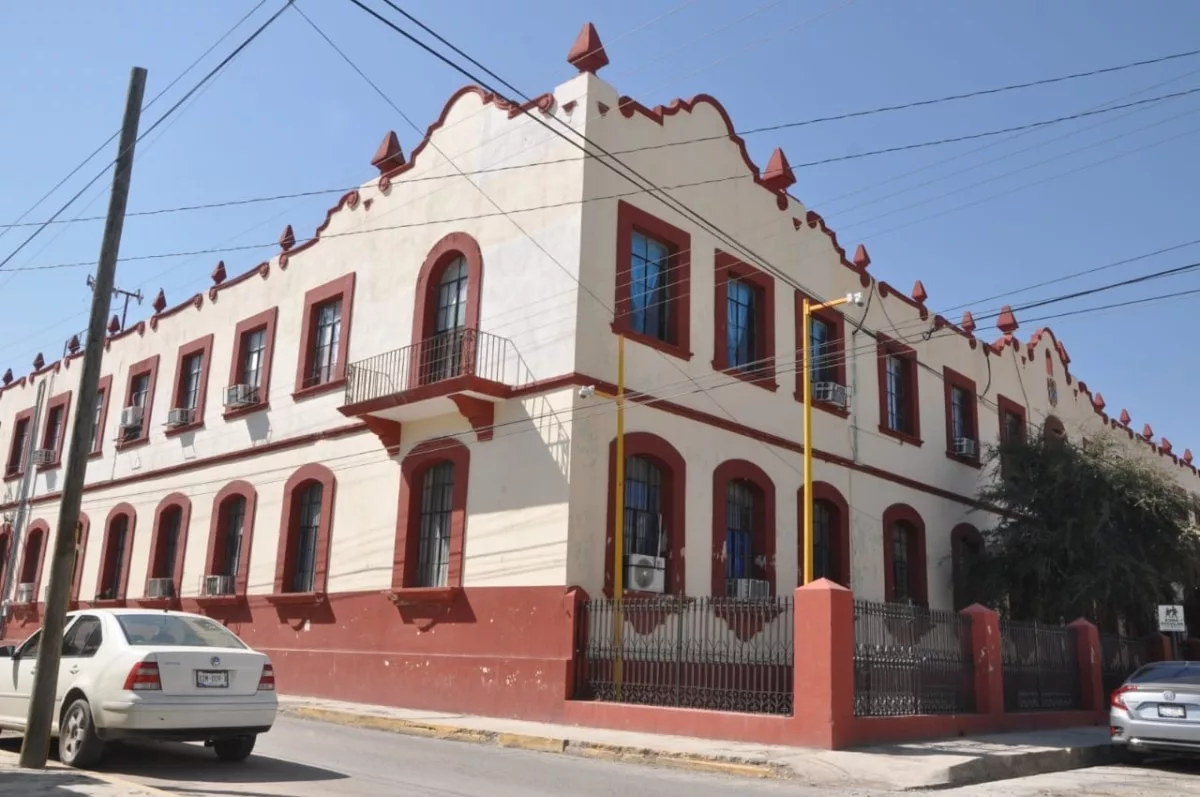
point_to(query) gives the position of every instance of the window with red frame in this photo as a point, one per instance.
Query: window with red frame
(32, 559)
(228, 555)
(308, 531)
(165, 553)
(187, 395)
(900, 396)
(16, 453)
(139, 391)
(252, 353)
(904, 563)
(743, 518)
(652, 288)
(326, 340)
(97, 418)
(114, 558)
(54, 429)
(436, 517)
(825, 529)
(745, 330)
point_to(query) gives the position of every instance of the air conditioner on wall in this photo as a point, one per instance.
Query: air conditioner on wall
(645, 573)
(241, 396)
(131, 417)
(830, 393)
(179, 416)
(44, 456)
(217, 585)
(965, 447)
(749, 588)
(160, 588)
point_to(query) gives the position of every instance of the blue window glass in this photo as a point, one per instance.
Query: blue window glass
(743, 305)
(739, 530)
(650, 282)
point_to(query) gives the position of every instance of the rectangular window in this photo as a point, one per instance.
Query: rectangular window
(899, 401)
(437, 516)
(16, 453)
(899, 395)
(54, 429)
(960, 413)
(139, 391)
(901, 590)
(1014, 427)
(253, 348)
(327, 335)
(650, 288)
(235, 520)
(189, 381)
(653, 282)
(822, 351)
(97, 421)
(743, 327)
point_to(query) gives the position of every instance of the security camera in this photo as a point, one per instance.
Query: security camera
(587, 391)
(855, 299)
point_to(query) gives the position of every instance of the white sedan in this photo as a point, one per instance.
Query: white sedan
(130, 673)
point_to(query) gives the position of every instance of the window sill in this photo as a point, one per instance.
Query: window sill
(972, 462)
(764, 379)
(12, 477)
(123, 446)
(242, 412)
(99, 453)
(176, 431)
(156, 603)
(220, 600)
(673, 349)
(903, 437)
(109, 603)
(295, 598)
(51, 466)
(422, 596)
(824, 406)
(319, 390)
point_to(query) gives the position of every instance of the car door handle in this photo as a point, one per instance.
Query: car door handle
(33, 670)
(73, 670)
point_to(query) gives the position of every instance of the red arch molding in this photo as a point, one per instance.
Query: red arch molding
(123, 566)
(824, 491)
(286, 554)
(43, 528)
(917, 565)
(185, 518)
(408, 516)
(442, 253)
(764, 524)
(216, 533)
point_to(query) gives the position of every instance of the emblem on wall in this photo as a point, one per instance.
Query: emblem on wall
(1052, 391)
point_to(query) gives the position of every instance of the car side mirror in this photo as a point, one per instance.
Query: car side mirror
(7, 651)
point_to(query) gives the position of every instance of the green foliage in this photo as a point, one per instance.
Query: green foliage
(1083, 530)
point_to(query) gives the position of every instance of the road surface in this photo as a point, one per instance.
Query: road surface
(312, 759)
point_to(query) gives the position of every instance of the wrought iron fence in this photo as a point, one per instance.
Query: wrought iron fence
(911, 660)
(1120, 656)
(721, 654)
(459, 352)
(1041, 667)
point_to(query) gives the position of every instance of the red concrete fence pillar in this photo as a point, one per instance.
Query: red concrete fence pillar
(823, 670)
(1091, 675)
(1158, 648)
(574, 636)
(985, 653)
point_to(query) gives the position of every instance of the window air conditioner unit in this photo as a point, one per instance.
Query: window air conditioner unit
(830, 393)
(131, 417)
(965, 447)
(645, 573)
(24, 595)
(217, 585)
(44, 456)
(180, 416)
(750, 588)
(241, 396)
(160, 588)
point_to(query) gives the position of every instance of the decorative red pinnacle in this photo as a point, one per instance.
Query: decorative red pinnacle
(114, 325)
(968, 322)
(1007, 322)
(389, 155)
(160, 301)
(587, 53)
(1147, 432)
(287, 238)
(778, 175)
(1098, 401)
(73, 344)
(861, 258)
(8, 377)
(1165, 445)
(919, 293)
(1124, 417)
(39, 362)
(218, 274)
(1187, 455)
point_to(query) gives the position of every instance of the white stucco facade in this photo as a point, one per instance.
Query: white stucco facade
(545, 223)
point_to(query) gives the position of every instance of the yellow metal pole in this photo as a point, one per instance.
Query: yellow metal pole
(806, 323)
(619, 525)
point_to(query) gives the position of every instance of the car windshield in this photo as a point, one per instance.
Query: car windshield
(1176, 673)
(173, 630)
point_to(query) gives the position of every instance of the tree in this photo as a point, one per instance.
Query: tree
(1085, 530)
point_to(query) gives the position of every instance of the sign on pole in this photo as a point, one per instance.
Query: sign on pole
(1170, 620)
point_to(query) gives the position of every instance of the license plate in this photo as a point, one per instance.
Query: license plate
(212, 679)
(1172, 712)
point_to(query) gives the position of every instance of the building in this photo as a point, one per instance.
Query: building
(375, 455)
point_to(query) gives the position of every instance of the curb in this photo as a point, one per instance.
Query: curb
(1006, 767)
(543, 744)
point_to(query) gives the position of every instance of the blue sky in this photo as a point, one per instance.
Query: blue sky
(971, 220)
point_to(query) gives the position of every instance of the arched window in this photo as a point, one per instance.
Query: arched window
(831, 534)
(231, 530)
(304, 535)
(446, 320)
(743, 531)
(655, 479)
(29, 577)
(167, 547)
(81, 543)
(905, 579)
(432, 516)
(966, 545)
(118, 548)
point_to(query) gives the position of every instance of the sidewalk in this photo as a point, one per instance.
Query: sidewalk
(59, 781)
(953, 762)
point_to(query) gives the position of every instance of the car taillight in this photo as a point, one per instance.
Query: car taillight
(266, 681)
(143, 678)
(1118, 697)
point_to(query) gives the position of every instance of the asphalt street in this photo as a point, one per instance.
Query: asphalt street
(311, 759)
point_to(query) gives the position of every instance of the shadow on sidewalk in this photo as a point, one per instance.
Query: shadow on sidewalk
(48, 783)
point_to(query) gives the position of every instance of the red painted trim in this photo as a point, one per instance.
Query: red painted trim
(443, 253)
(14, 470)
(480, 413)
(122, 586)
(729, 267)
(963, 535)
(839, 544)
(885, 348)
(61, 403)
(85, 524)
(953, 379)
(918, 569)
(764, 520)
(173, 569)
(340, 288)
(289, 527)
(147, 366)
(673, 501)
(217, 532)
(103, 394)
(631, 219)
(265, 321)
(837, 337)
(408, 518)
(41, 528)
(202, 346)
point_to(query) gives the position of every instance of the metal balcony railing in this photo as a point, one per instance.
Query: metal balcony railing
(460, 352)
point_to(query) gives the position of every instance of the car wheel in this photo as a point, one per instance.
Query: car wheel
(78, 744)
(234, 750)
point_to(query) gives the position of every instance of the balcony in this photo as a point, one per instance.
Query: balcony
(463, 371)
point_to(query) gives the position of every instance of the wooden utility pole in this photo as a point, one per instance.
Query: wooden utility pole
(36, 745)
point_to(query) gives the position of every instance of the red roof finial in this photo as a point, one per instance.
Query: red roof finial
(1098, 401)
(218, 274)
(1165, 445)
(1147, 432)
(39, 362)
(968, 322)
(1007, 322)
(114, 325)
(389, 155)
(1124, 417)
(1187, 455)
(778, 175)
(919, 293)
(160, 301)
(587, 53)
(73, 344)
(287, 239)
(8, 377)
(861, 258)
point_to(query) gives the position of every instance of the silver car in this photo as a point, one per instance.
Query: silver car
(1157, 710)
